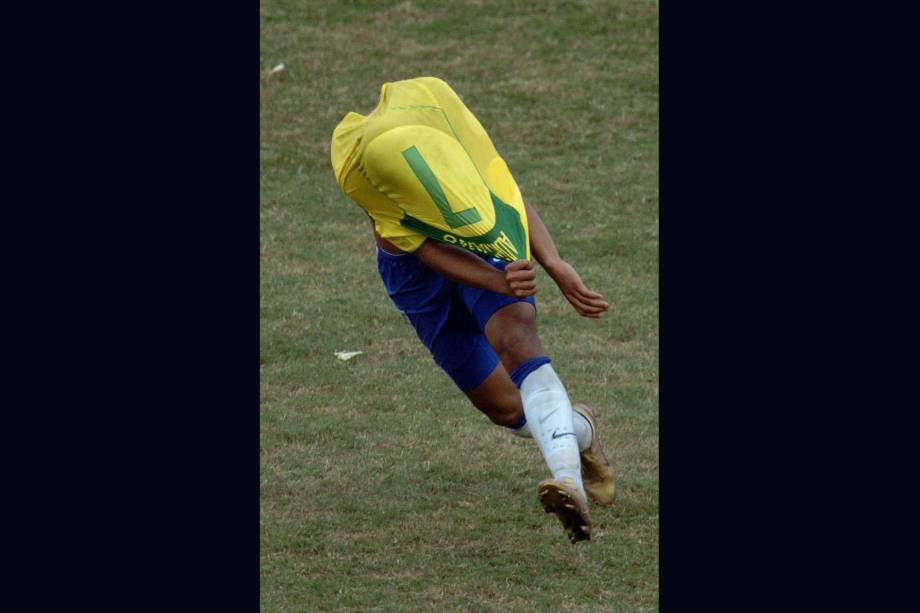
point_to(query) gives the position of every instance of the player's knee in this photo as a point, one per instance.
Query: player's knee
(506, 416)
(503, 409)
(517, 338)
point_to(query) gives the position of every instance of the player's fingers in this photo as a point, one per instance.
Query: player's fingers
(584, 291)
(582, 308)
(526, 285)
(586, 303)
(516, 282)
(586, 313)
(519, 265)
(521, 279)
(523, 293)
(524, 272)
(523, 284)
(592, 298)
(590, 314)
(581, 305)
(520, 275)
(595, 302)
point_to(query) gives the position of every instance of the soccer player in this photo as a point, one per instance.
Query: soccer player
(454, 242)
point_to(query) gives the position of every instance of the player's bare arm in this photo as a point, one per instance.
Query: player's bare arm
(587, 302)
(518, 279)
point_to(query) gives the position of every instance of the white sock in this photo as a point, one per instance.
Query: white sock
(583, 432)
(549, 417)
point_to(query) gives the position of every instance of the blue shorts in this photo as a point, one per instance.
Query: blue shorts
(448, 317)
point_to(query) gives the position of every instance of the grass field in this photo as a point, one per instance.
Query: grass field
(381, 488)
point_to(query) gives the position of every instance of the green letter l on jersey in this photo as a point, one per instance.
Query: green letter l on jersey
(426, 177)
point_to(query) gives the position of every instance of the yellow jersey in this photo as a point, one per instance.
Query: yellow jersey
(422, 166)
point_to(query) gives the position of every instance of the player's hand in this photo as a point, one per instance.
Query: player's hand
(521, 278)
(586, 302)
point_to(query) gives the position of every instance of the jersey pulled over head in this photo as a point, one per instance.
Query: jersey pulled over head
(421, 165)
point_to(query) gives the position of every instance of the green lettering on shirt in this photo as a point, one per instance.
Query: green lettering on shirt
(505, 240)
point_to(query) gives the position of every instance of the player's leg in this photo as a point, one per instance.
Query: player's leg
(509, 326)
(512, 332)
(456, 341)
(498, 397)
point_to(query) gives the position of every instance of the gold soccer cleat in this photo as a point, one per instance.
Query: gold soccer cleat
(561, 498)
(596, 472)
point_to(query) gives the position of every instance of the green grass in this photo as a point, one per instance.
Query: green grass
(381, 487)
